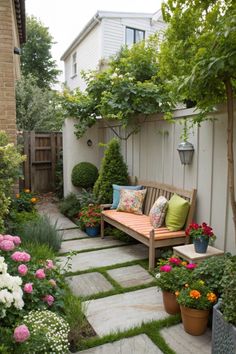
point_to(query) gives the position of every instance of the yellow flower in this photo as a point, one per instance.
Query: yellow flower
(195, 294)
(27, 190)
(177, 293)
(17, 196)
(211, 297)
(33, 200)
(184, 263)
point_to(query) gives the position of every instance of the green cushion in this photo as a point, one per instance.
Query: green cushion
(176, 213)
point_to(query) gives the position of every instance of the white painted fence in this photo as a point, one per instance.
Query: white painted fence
(152, 155)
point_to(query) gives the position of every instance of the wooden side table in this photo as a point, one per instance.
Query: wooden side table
(187, 252)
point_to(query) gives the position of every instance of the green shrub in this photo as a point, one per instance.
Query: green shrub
(86, 197)
(113, 171)
(229, 291)
(15, 220)
(41, 231)
(10, 161)
(59, 177)
(211, 270)
(120, 235)
(70, 205)
(84, 175)
(39, 252)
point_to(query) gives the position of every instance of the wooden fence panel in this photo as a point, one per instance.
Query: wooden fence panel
(42, 151)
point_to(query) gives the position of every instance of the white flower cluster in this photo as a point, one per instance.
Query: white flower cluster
(10, 290)
(55, 329)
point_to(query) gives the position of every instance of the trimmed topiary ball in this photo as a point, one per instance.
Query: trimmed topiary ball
(84, 175)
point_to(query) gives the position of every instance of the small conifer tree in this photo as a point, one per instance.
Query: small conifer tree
(113, 171)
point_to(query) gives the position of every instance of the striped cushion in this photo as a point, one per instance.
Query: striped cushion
(141, 224)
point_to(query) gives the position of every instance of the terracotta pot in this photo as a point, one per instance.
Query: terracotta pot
(194, 321)
(170, 303)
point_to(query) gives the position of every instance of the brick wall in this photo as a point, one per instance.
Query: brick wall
(8, 69)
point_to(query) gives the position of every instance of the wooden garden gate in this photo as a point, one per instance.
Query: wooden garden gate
(42, 151)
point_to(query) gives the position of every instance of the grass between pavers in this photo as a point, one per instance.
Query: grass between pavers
(75, 239)
(118, 289)
(89, 249)
(151, 329)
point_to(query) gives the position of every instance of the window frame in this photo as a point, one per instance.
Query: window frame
(135, 30)
(74, 64)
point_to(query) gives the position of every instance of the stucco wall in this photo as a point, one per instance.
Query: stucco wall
(76, 150)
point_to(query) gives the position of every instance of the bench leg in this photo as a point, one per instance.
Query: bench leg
(102, 227)
(151, 251)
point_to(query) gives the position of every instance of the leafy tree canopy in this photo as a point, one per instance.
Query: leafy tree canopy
(198, 54)
(36, 58)
(36, 108)
(130, 86)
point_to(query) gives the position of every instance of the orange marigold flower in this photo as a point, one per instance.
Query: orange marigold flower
(177, 293)
(195, 294)
(33, 200)
(184, 263)
(17, 196)
(211, 297)
(26, 190)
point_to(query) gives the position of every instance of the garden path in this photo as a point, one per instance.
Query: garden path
(132, 307)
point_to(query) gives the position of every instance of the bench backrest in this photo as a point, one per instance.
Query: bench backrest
(155, 190)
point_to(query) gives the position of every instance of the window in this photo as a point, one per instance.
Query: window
(133, 35)
(74, 64)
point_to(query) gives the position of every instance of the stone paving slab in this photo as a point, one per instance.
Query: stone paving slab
(140, 344)
(72, 234)
(183, 343)
(61, 221)
(106, 257)
(88, 284)
(124, 311)
(89, 243)
(130, 276)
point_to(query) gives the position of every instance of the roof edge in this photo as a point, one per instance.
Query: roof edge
(20, 19)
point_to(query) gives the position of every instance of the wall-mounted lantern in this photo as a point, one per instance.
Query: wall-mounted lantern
(89, 142)
(185, 150)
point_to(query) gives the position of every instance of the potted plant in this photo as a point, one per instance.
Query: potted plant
(224, 313)
(90, 218)
(200, 234)
(195, 301)
(171, 276)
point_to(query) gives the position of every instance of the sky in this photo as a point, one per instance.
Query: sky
(65, 19)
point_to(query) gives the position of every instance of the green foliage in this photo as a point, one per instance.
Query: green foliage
(37, 108)
(229, 291)
(84, 175)
(36, 58)
(130, 86)
(15, 220)
(41, 231)
(113, 171)
(87, 197)
(39, 252)
(211, 270)
(59, 176)
(199, 51)
(24, 201)
(120, 235)
(70, 205)
(10, 161)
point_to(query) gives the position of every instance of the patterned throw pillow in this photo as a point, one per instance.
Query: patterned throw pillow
(116, 193)
(131, 201)
(158, 212)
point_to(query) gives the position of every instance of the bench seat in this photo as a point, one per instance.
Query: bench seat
(141, 224)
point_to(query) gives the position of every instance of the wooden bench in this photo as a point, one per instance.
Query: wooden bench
(139, 226)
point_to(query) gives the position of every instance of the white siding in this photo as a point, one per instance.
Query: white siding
(114, 32)
(89, 52)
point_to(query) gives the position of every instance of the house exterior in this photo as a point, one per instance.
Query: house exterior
(103, 37)
(12, 35)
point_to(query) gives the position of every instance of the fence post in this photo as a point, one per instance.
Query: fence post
(53, 159)
(32, 160)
